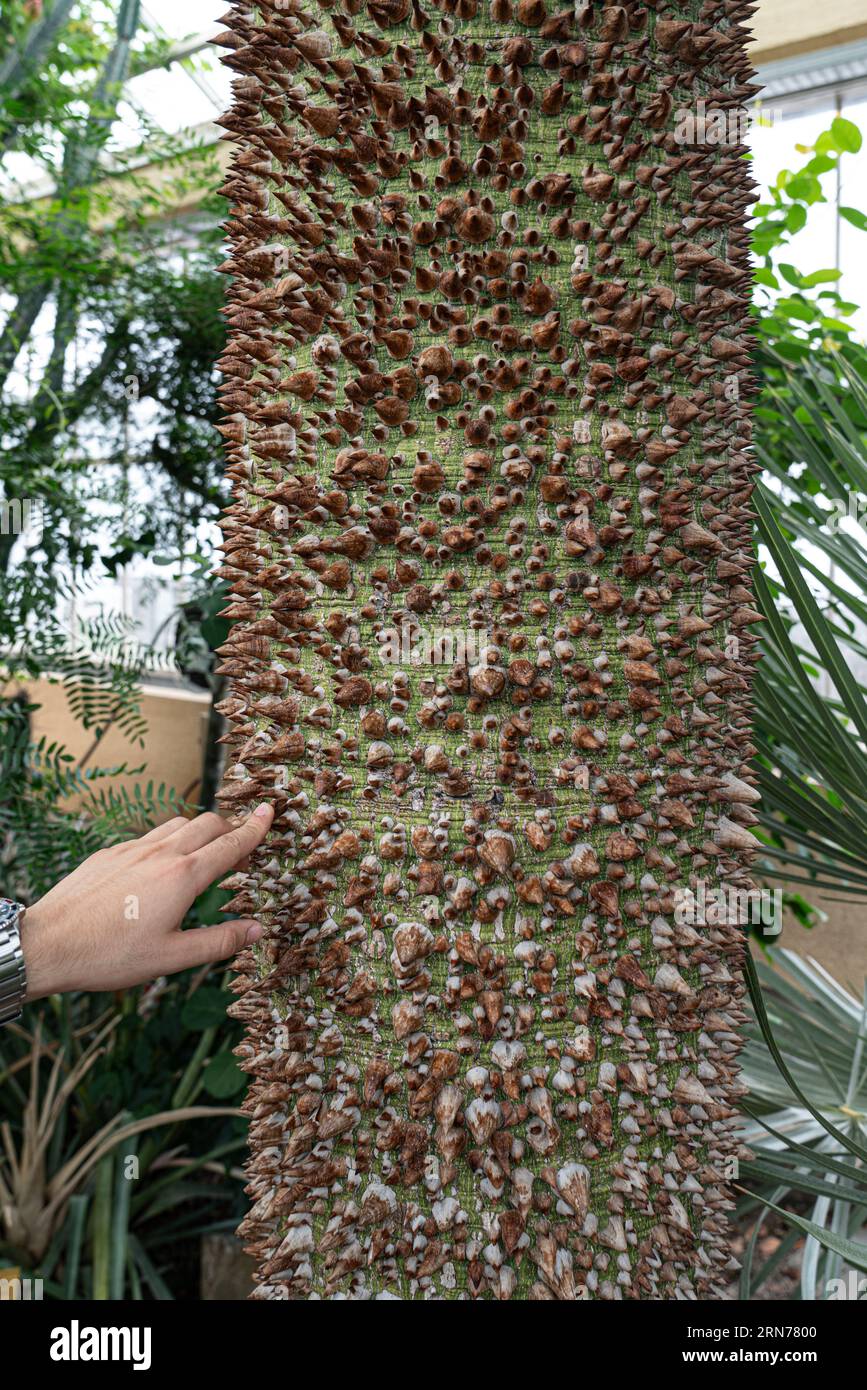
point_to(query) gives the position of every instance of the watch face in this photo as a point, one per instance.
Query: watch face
(10, 911)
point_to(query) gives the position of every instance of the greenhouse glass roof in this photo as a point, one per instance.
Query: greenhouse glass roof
(187, 88)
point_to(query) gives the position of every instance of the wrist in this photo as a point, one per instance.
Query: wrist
(40, 960)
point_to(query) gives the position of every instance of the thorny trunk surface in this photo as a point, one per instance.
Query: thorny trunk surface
(485, 384)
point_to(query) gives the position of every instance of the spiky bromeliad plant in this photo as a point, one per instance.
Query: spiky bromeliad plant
(486, 382)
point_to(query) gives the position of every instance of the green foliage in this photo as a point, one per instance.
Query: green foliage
(137, 1144)
(201, 628)
(147, 1074)
(115, 434)
(135, 303)
(55, 810)
(804, 1064)
(811, 768)
(811, 713)
(101, 677)
(811, 441)
(789, 316)
(806, 1073)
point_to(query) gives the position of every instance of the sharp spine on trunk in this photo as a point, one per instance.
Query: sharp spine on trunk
(485, 316)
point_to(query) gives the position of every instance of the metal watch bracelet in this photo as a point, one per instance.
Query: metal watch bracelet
(13, 977)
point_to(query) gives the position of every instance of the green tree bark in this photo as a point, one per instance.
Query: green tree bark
(485, 407)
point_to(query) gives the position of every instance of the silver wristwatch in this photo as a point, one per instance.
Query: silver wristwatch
(13, 979)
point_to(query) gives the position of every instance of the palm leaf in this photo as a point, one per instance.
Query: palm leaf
(810, 709)
(806, 1124)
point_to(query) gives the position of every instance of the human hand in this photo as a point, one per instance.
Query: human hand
(114, 922)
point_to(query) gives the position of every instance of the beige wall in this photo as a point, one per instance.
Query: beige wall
(782, 28)
(174, 745)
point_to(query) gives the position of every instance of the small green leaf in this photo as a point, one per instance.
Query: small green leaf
(205, 1009)
(796, 218)
(846, 135)
(819, 277)
(825, 144)
(804, 188)
(821, 164)
(858, 219)
(763, 276)
(222, 1077)
(799, 309)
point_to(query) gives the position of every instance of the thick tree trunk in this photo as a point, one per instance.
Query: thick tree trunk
(485, 409)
